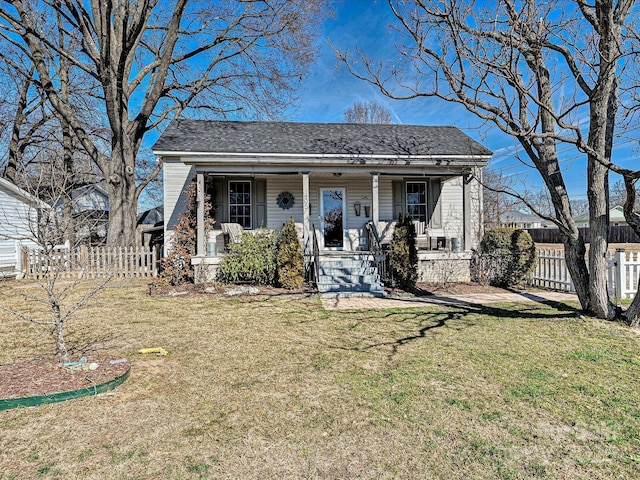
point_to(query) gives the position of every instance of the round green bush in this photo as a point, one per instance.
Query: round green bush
(252, 261)
(511, 255)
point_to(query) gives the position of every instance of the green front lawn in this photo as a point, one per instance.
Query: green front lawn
(273, 387)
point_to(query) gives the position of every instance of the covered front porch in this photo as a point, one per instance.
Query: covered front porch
(348, 212)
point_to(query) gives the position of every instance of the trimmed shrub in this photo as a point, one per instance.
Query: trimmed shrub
(251, 261)
(507, 257)
(290, 263)
(404, 254)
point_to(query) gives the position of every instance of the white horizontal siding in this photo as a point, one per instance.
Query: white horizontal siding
(385, 198)
(452, 204)
(357, 189)
(477, 211)
(89, 200)
(175, 179)
(277, 216)
(18, 226)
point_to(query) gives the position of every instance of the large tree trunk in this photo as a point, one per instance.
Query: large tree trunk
(68, 181)
(123, 196)
(16, 146)
(68, 184)
(574, 253)
(632, 315)
(597, 190)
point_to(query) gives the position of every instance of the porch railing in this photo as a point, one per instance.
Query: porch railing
(312, 258)
(379, 255)
(316, 256)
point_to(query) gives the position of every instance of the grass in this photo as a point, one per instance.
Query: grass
(281, 388)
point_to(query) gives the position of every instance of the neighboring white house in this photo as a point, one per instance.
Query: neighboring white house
(19, 212)
(521, 220)
(91, 214)
(333, 179)
(616, 218)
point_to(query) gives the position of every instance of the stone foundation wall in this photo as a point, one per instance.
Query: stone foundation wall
(433, 267)
(444, 267)
(205, 268)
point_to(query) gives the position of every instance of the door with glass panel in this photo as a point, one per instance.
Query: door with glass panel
(333, 217)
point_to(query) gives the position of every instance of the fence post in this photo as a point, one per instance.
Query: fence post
(621, 286)
(24, 262)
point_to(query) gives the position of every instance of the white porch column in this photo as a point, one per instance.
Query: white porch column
(305, 208)
(200, 243)
(467, 212)
(375, 207)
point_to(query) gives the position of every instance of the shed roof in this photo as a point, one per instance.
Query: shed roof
(291, 138)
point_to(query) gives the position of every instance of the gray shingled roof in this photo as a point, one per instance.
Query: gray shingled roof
(315, 138)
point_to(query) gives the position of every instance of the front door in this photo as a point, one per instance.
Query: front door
(332, 204)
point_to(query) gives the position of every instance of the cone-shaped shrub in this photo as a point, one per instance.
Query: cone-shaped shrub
(290, 259)
(404, 254)
(176, 267)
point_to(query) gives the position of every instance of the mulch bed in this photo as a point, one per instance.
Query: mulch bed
(46, 376)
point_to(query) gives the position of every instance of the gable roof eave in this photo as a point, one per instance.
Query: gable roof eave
(29, 198)
(364, 160)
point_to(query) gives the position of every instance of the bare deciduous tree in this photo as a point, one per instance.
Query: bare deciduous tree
(547, 74)
(495, 197)
(62, 298)
(151, 61)
(367, 112)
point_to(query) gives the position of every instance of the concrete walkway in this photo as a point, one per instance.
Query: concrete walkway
(462, 299)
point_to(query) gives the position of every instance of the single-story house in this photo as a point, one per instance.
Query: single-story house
(521, 220)
(616, 218)
(344, 184)
(19, 213)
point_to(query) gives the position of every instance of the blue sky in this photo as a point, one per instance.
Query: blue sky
(330, 89)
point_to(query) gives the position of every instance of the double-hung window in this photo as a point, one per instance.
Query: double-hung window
(417, 200)
(240, 203)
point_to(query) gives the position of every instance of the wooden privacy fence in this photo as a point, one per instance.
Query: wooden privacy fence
(623, 270)
(91, 262)
(617, 234)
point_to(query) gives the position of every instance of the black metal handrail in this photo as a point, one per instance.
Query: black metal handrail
(316, 256)
(312, 258)
(379, 255)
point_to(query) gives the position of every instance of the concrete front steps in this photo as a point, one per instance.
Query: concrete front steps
(349, 274)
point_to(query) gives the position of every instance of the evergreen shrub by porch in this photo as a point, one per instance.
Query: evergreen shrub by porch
(252, 261)
(507, 256)
(176, 268)
(404, 254)
(290, 263)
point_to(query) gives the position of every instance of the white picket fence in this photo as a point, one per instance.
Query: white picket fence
(90, 262)
(623, 270)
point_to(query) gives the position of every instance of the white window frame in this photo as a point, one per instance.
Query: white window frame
(426, 199)
(231, 219)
